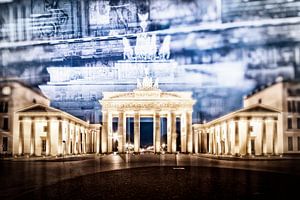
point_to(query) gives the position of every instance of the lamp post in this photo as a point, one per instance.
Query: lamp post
(130, 147)
(126, 147)
(163, 148)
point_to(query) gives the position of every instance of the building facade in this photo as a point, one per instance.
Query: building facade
(14, 96)
(148, 101)
(29, 126)
(249, 131)
(269, 123)
(47, 131)
(285, 97)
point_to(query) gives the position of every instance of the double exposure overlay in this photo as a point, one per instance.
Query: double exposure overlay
(149, 99)
(220, 50)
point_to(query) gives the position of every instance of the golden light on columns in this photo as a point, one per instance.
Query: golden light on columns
(148, 100)
(250, 131)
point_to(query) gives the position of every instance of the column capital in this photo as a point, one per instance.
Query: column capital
(71, 124)
(52, 118)
(269, 119)
(136, 112)
(27, 119)
(77, 125)
(232, 120)
(190, 112)
(64, 120)
(243, 119)
(40, 118)
(257, 118)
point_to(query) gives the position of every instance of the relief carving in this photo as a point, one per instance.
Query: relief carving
(50, 23)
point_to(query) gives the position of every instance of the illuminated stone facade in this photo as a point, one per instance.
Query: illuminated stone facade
(43, 130)
(268, 124)
(284, 96)
(249, 131)
(29, 126)
(147, 101)
(14, 95)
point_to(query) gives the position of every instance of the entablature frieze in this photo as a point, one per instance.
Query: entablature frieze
(146, 95)
(147, 105)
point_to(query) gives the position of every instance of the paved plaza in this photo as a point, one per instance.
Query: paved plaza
(169, 176)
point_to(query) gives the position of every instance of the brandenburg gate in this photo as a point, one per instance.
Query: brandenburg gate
(147, 101)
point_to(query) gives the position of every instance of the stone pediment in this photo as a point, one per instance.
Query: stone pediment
(38, 108)
(259, 108)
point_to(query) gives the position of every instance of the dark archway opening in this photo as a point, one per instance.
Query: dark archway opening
(146, 133)
(163, 133)
(178, 134)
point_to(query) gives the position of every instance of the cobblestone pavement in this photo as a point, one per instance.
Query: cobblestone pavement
(171, 183)
(22, 178)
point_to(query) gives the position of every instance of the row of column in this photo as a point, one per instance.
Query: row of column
(20, 25)
(19, 22)
(243, 136)
(186, 132)
(40, 136)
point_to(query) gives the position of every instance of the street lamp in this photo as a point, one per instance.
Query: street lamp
(163, 148)
(129, 147)
(126, 147)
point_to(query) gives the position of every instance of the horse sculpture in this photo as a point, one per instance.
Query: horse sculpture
(152, 48)
(143, 18)
(128, 51)
(142, 45)
(137, 48)
(164, 51)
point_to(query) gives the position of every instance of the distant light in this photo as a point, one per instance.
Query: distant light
(115, 136)
(178, 168)
(279, 79)
(6, 90)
